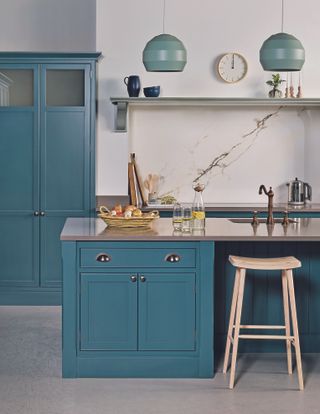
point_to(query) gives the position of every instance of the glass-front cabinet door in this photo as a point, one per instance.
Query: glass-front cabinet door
(65, 87)
(16, 87)
(19, 160)
(65, 145)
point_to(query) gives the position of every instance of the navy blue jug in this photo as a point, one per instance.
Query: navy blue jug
(133, 85)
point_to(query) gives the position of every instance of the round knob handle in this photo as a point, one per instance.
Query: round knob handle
(42, 213)
(133, 278)
(142, 279)
(103, 257)
(172, 258)
(36, 213)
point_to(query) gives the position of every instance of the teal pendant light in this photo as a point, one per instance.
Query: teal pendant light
(282, 52)
(164, 53)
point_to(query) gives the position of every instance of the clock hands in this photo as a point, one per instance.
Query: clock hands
(232, 63)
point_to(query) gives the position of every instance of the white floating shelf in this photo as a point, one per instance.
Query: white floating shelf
(122, 104)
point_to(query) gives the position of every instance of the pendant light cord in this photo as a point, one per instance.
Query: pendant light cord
(282, 16)
(164, 16)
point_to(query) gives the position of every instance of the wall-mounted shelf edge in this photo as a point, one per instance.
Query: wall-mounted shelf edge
(122, 104)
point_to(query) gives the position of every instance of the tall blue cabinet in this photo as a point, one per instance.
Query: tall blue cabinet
(47, 169)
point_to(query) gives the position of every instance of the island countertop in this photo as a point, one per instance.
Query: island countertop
(217, 229)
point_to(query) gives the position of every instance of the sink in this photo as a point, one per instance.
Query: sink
(261, 220)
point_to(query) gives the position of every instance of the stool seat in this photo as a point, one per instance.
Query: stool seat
(275, 263)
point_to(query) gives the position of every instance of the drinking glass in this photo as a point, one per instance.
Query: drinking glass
(186, 219)
(177, 217)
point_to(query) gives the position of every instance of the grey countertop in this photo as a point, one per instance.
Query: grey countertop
(247, 207)
(110, 201)
(218, 229)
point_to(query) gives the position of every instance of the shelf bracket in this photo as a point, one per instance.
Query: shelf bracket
(120, 122)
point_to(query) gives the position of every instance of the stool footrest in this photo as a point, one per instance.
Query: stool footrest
(290, 338)
(261, 326)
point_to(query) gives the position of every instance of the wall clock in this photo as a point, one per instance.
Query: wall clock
(232, 67)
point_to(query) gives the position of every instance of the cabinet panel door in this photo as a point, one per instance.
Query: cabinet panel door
(65, 145)
(64, 162)
(108, 312)
(65, 159)
(167, 307)
(19, 245)
(19, 161)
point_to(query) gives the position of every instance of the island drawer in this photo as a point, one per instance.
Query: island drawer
(135, 257)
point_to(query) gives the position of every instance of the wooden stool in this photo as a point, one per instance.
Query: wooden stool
(285, 264)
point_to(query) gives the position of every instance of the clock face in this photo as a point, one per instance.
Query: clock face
(232, 67)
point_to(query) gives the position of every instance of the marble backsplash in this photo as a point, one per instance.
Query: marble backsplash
(231, 150)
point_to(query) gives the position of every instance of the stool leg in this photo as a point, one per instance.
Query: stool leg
(231, 319)
(295, 327)
(287, 319)
(237, 326)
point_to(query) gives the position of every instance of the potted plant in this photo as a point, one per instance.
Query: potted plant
(275, 83)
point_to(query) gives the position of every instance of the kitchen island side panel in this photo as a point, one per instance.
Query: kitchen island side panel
(69, 306)
(206, 259)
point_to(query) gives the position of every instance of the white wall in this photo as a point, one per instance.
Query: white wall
(208, 29)
(48, 25)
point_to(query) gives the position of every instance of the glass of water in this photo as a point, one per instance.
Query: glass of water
(186, 219)
(177, 217)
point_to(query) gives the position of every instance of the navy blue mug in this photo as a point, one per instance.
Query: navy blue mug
(133, 85)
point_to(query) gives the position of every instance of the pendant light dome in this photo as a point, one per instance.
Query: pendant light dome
(164, 53)
(282, 52)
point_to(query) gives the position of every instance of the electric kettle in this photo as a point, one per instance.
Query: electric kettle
(298, 192)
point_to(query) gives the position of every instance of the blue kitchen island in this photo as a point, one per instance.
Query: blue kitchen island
(154, 303)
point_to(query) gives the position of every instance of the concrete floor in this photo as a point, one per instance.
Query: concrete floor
(31, 383)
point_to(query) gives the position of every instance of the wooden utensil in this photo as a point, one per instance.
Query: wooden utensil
(132, 186)
(138, 179)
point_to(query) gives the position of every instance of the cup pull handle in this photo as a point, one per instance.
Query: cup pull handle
(103, 257)
(172, 258)
(125, 80)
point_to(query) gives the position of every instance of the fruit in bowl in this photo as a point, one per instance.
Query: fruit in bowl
(129, 216)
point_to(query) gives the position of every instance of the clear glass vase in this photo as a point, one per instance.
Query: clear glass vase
(198, 210)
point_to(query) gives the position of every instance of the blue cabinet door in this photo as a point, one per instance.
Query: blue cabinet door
(19, 158)
(167, 312)
(65, 175)
(108, 312)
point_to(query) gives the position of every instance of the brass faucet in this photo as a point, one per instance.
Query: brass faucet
(270, 195)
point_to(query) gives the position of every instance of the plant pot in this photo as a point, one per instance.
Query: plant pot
(275, 93)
